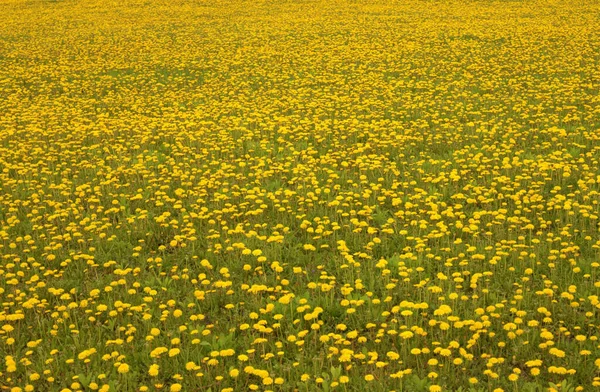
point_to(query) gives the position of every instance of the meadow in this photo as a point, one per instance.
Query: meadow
(299, 195)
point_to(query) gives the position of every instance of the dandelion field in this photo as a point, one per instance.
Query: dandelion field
(299, 195)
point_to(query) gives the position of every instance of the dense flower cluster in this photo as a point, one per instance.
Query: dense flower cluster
(299, 195)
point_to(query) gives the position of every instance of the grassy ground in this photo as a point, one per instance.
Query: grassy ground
(299, 195)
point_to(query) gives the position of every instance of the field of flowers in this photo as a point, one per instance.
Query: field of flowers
(299, 195)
